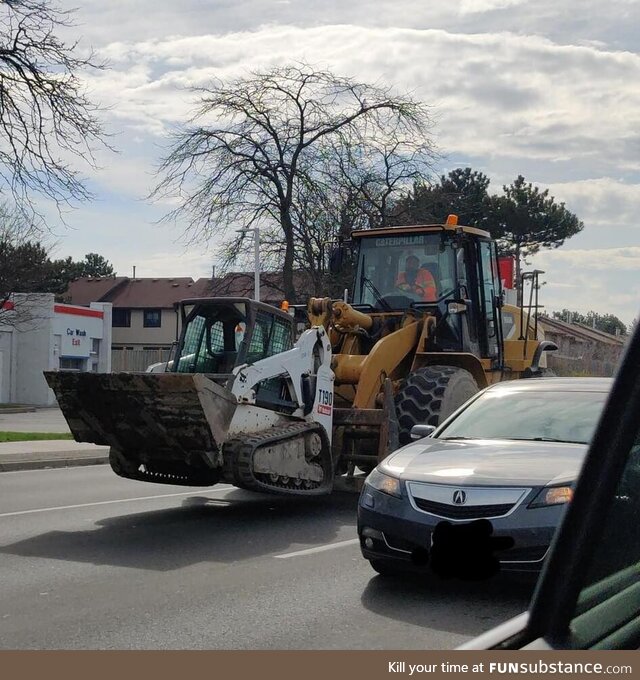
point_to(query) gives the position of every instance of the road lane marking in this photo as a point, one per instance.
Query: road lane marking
(119, 500)
(104, 466)
(317, 549)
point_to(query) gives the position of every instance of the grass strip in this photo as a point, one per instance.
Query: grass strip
(33, 436)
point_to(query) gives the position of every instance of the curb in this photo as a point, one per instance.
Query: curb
(18, 409)
(17, 465)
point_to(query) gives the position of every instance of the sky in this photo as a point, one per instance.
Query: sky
(546, 89)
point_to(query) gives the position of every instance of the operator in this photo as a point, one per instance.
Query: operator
(417, 281)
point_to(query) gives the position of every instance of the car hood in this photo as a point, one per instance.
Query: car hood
(486, 462)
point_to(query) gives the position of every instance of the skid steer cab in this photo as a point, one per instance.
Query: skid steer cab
(239, 402)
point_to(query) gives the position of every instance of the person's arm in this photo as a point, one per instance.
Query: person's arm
(427, 286)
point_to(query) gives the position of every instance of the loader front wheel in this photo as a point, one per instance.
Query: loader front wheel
(430, 394)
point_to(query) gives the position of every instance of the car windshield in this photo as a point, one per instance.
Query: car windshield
(533, 415)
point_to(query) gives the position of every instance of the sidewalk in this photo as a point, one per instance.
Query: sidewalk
(37, 455)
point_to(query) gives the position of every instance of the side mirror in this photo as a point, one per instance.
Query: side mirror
(534, 370)
(420, 431)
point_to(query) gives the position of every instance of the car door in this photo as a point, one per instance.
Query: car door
(588, 595)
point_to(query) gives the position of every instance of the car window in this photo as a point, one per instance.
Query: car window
(534, 414)
(610, 594)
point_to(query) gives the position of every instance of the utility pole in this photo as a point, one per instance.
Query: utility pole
(256, 258)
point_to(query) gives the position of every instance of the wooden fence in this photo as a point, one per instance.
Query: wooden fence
(136, 360)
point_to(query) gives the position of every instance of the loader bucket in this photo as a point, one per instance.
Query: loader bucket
(170, 416)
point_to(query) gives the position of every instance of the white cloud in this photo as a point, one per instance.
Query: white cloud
(501, 96)
(604, 280)
(478, 6)
(179, 263)
(604, 259)
(572, 21)
(602, 202)
(545, 89)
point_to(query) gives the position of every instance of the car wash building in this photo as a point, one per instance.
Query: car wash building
(38, 334)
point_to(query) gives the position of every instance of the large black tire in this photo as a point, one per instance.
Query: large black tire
(430, 394)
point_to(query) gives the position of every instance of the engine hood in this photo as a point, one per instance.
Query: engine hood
(486, 462)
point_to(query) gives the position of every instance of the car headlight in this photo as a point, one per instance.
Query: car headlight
(385, 483)
(552, 495)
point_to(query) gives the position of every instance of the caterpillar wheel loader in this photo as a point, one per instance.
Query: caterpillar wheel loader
(243, 402)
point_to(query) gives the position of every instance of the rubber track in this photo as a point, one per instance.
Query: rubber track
(238, 458)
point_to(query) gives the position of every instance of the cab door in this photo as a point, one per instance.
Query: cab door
(489, 293)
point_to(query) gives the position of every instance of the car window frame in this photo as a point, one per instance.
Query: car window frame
(554, 604)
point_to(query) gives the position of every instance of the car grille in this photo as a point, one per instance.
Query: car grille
(461, 511)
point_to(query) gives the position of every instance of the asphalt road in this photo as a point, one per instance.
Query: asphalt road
(91, 561)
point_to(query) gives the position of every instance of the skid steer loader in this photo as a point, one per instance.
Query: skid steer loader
(242, 401)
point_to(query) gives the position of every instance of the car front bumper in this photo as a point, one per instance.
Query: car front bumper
(394, 530)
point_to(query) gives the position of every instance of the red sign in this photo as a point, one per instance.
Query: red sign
(78, 311)
(506, 265)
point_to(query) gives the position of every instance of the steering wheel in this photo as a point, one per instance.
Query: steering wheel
(399, 301)
(408, 290)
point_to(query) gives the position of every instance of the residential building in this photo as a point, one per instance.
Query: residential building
(145, 312)
(582, 350)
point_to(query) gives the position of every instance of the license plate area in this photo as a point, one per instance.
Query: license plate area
(467, 550)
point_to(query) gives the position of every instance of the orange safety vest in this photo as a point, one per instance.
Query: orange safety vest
(424, 284)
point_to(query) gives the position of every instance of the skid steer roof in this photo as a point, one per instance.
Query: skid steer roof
(229, 301)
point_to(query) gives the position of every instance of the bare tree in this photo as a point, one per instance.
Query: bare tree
(46, 117)
(23, 268)
(248, 153)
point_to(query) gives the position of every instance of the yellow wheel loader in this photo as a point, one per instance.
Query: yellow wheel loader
(241, 401)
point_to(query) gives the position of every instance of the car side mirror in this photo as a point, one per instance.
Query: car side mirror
(420, 431)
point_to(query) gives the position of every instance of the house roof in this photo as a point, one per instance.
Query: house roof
(581, 331)
(125, 292)
(86, 290)
(131, 293)
(163, 293)
(239, 284)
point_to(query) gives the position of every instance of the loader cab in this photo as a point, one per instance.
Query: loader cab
(456, 280)
(219, 334)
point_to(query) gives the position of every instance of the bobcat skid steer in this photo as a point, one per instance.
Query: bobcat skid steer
(240, 403)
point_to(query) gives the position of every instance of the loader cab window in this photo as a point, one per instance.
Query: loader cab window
(395, 271)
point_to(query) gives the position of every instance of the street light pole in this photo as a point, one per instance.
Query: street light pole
(256, 263)
(256, 259)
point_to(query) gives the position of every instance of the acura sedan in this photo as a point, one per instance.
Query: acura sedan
(486, 490)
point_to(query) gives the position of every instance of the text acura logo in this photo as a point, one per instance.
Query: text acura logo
(459, 497)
